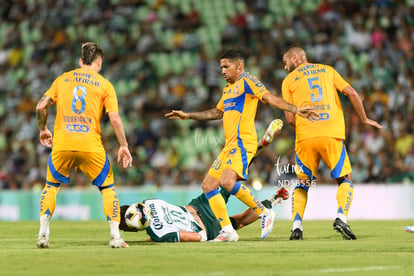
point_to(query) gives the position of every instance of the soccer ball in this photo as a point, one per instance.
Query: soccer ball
(138, 216)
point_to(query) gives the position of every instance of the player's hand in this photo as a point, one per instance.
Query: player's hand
(45, 137)
(125, 156)
(372, 123)
(178, 114)
(308, 112)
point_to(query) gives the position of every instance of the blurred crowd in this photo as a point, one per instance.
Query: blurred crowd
(162, 55)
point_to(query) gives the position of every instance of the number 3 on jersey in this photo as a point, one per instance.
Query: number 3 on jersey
(312, 85)
(80, 99)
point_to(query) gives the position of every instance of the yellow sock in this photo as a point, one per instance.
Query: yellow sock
(299, 199)
(110, 204)
(247, 197)
(344, 196)
(218, 206)
(48, 199)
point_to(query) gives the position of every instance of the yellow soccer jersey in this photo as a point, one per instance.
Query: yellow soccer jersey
(316, 85)
(80, 96)
(239, 104)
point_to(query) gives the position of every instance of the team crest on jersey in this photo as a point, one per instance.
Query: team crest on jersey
(233, 151)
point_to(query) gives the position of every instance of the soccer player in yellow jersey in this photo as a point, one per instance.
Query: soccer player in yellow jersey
(237, 108)
(80, 97)
(316, 86)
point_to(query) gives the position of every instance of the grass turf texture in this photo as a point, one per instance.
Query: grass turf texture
(81, 248)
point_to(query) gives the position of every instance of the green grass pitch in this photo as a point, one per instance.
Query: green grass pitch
(81, 248)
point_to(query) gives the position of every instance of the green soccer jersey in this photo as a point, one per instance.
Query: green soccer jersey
(169, 220)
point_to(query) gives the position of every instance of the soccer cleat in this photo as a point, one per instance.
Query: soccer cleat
(117, 243)
(274, 127)
(281, 194)
(297, 234)
(268, 219)
(344, 229)
(42, 242)
(409, 229)
(225, 236)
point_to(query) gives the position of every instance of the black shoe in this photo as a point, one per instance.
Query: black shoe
(344, 229)
(297, 234)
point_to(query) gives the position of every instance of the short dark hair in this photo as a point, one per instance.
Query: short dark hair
(292, 46)
(231, 54)
(90, 52)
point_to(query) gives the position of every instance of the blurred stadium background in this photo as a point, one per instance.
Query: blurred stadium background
(162, 54)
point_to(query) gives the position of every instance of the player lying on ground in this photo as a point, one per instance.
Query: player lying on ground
(165, 222)
(195, 222)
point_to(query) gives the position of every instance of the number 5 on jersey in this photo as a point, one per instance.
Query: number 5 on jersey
(312, 85)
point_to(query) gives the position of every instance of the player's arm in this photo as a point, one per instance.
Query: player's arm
(45, 135)
(278, 102)
(118, 127)
(189, 236)
(359, 107)
(180, 236)
(290, 118)
(211, 114)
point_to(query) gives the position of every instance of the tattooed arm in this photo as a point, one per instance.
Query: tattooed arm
(211, 114)
(45, 135)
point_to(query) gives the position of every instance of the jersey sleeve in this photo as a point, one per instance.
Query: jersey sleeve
(169, 237)
(255, 87)
(286, 95)
(52, 91)
(339, 81)
(110, 100)
(220, 104)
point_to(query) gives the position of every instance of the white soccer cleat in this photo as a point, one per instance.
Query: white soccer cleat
(409, 229)
(274, 127)
(268, 219)
(118, 243)
(42, 242)
(226, 236)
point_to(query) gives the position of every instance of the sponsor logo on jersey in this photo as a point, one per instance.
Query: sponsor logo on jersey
(77, 128)
(157, 224)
